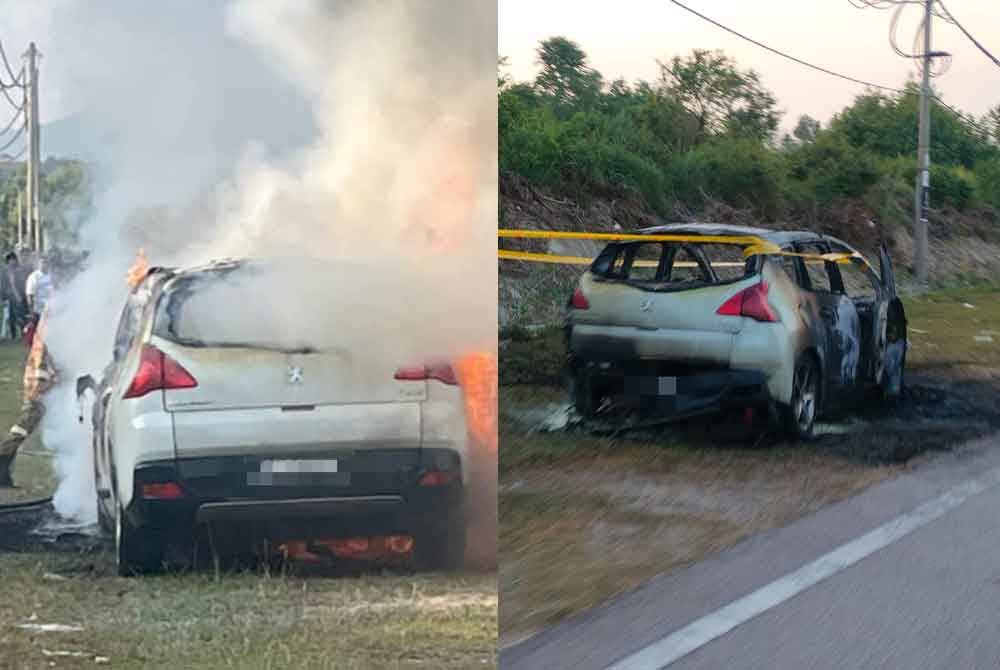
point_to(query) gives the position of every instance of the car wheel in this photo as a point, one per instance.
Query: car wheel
(441, 546)
(800, 415)
(584, 397)
(137, 551)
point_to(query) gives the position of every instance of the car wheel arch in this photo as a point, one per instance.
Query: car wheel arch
(814, 353)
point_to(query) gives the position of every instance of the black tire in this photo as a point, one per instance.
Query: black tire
(799, 417)
(137, 551)
(582, 392)
(441, 546)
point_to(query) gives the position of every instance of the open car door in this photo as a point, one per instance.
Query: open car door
(893, 360)
(885, 271)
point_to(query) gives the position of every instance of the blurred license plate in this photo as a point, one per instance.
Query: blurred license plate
(303, 465)
(302, 472)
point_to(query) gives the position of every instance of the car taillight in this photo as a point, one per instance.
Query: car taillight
(750, 302)
(579, 300)
(157, 371)
(441, 372)
(162, 491)
(437, 478)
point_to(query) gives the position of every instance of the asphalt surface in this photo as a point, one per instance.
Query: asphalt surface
(927, 599)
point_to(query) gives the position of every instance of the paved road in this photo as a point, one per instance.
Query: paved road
(906, 575)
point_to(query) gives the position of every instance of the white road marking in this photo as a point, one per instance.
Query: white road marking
(698, 633)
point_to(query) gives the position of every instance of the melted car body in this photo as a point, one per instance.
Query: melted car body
(705, 317)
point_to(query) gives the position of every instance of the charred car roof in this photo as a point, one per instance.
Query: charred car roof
(779, 237)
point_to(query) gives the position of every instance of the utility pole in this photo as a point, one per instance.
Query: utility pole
(34, 223)
(20, 221)
(923, 185)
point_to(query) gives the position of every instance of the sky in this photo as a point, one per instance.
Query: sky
(626, 37)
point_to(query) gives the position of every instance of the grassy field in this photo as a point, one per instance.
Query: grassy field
(954, 327)
(585, 517)
(242, 620)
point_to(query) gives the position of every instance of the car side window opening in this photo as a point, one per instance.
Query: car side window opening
(127, 327)
(821, 275)
(645, 261)
(685, 267)
(860, 283)
(790, 265)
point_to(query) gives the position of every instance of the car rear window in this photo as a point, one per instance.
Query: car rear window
(673, 265)
(235, 306)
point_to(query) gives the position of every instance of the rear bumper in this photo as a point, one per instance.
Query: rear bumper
(388, 498)
(675, 393)
(631, 343)
(295, 508)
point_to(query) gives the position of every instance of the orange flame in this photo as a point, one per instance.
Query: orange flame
(477, 374)
(139, 269)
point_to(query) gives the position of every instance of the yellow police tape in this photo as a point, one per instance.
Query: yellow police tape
(752, 246)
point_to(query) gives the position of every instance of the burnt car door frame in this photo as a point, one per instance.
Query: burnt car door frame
(873, 349)
(837, 335)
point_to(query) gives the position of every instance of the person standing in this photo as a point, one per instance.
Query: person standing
(13, 293)
(39, 377)
(38, 288)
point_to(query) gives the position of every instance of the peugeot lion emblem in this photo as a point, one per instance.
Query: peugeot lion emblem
(645, 305)
(295, 375)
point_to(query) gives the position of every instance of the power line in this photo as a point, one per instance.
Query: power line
(6, 63)
(785, 55)
(969, 35)
(19, 154)
(875, 4)
(18, 114)
(15, 138)
(967, 120)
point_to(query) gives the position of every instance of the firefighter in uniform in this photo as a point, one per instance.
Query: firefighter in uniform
(39, 377)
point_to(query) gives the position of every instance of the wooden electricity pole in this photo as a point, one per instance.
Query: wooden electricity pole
(34, 222)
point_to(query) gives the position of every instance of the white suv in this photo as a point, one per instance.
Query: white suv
(251, 440)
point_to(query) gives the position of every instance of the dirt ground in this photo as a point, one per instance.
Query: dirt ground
(591, 511)
(61, 605)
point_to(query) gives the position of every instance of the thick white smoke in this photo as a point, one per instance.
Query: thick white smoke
(197, 107)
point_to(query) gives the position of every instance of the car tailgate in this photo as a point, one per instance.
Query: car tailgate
(626, 321)
(248, 399)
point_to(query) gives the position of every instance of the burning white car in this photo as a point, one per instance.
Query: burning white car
(209, 421)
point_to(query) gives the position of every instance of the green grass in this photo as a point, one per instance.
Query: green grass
(943, 330)
(246, 620)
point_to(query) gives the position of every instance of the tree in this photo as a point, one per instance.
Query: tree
(806, 129)
(722, 98)
(887, 126)
(991, 122)
(565, 76)
(503, 79)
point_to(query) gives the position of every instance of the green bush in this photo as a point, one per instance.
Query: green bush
(987, 176)
(830, 169)
(737, 171)
(951, 186)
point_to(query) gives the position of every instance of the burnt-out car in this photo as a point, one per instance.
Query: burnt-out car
(207, 422)
(693, 318)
